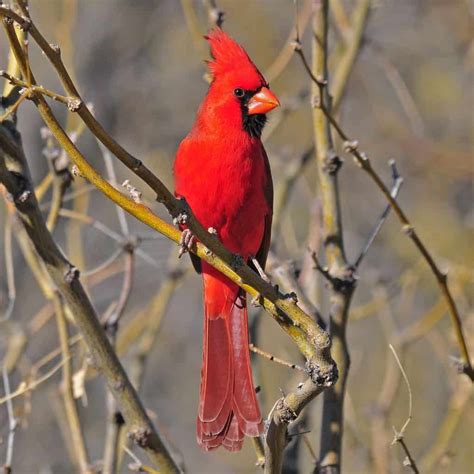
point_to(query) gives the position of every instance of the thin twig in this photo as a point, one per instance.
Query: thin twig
(397, 183)
(137, 465)
(312, 341)
(399, 435)
(144, 329)
(352, 147)
(66, 277)
(101, 227)
(32, 89)
(259, 451)
(273, 358)
(109, 166)
(115, 421)
(9, 268)
(12, 423)
(25, 387)
(62, 178)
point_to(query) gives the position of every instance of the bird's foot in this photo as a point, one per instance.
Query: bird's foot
(257, 301)
(188, 239)
(291, 296)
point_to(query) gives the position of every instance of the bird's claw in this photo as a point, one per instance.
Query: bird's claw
(257, 301)
(186, 242)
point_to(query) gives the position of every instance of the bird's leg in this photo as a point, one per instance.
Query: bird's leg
(187, 240)
(260, 270)
(257, 300)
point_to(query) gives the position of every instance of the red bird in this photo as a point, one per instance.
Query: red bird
(222, 171)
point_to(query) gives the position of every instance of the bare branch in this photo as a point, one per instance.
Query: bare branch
(70, 406)
(12, 423)
(273, 358)
(397, 183)
(311, 339)
(399, 435)
(352, 147)
(66, 278)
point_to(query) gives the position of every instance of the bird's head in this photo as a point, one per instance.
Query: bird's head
(239, 93)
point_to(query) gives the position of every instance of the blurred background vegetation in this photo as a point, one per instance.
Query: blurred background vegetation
(409, 98)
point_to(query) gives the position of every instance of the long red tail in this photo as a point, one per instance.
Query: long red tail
(228, 407)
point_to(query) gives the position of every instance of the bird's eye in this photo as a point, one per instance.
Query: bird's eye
(239, 92)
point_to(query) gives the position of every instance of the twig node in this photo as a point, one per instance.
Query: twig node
(141, 436)
(74, 103)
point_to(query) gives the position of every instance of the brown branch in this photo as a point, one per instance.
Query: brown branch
(311, 339)
(346, 61)
(339, 273)
(273, 358)
(285, 275)
(15, 176)
(115, 419)
(70, 406)
(145, 328)
(352, 147)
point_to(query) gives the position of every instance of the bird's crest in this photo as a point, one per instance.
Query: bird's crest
(228, 56)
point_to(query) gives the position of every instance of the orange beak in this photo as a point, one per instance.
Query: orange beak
(262, 102)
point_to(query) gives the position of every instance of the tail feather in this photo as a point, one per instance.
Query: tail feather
(234, 438)
(228, 406)
(245, 399)
(216, 376)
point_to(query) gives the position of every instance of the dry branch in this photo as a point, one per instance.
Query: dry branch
(312, 341)
(399, 435)
(70, 405)
(351, 146)
(15, 176)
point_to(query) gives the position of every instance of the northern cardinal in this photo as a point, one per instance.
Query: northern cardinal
(222, 171)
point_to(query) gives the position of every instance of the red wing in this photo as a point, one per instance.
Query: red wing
(265, 245)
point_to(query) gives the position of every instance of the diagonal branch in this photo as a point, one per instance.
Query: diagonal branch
(312, 341)
(397, 183)
(361, 158)
(15, 176)
(70, 405)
